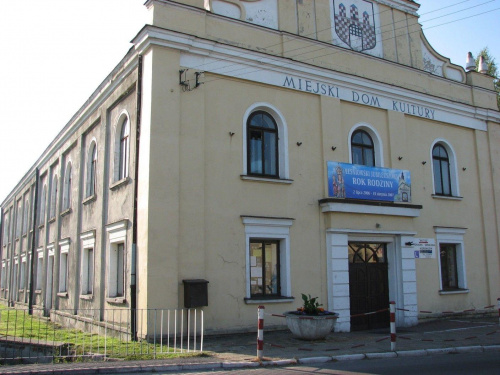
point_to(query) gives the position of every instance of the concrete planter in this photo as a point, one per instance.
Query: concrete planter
(310, 327)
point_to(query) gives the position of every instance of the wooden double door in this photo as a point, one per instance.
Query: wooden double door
(368, 285)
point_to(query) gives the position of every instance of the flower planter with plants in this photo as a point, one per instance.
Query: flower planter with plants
(310, 322)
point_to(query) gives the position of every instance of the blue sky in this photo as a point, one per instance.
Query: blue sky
(56, 52)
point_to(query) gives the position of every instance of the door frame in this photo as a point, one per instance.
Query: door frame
(401, 273)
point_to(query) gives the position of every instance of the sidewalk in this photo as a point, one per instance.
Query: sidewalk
(280, 348)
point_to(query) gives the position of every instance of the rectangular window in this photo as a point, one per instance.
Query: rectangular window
(4, 276)
(264, 268)
(39, 271)
(22, 278)
(450, 242)
(88, 271)
(63, 273)
(449, 273)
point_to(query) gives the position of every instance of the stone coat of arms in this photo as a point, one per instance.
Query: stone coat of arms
(356, 29)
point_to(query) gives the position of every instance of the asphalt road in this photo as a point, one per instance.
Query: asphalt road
(447, 364)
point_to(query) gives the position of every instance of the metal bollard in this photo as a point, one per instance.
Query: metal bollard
(260, 333)
(392, 309)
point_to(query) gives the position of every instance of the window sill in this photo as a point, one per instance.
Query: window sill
(446, 197)
(455, 291)
(116, 185)
(256, 300)
(116, 300)
(90, 199)
(52, 220)
(266, 179)
(62, 294)
(38, 291)
(41, 226)
(66, 212)
(87, 296)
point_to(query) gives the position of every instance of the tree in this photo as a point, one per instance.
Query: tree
(492, 70)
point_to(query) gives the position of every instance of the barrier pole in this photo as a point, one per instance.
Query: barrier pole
(392, 309)
(498, 300)
(260, 333)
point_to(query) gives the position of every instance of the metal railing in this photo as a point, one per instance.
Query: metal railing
(98, 334)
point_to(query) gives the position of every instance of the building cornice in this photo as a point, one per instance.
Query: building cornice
(230, 61)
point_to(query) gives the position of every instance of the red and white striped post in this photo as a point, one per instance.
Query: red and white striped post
(498, 300)
(392, 309)
(260, 333)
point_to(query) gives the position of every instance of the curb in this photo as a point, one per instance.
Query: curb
(239, 365)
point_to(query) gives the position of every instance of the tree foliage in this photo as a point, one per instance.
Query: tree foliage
(492, 69)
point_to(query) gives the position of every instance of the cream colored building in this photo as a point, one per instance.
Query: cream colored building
(271, 148)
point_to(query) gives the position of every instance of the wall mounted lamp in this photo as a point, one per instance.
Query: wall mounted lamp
(231, 134)
(334, 148)
(424, 163)
(299, 143)
(400, 157)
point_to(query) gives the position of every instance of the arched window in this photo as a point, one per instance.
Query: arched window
(53, 198)
(124, 150)
(262, 145)
(26, 216)
(441, 168)
(362, 148)
(43, 202)
(91, 170)
(67, 187)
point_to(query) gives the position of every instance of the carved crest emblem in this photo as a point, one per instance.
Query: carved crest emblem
(355, 23)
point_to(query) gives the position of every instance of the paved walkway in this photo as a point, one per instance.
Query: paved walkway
(280, 348)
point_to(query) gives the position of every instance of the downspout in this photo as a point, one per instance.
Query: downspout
(2, 218)
(133, 278)
(33, 244)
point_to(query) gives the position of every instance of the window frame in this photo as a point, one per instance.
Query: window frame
(53, 197)
(43, 205)
(363, 147)
(68, 180)
(92, 158)
(282, 142)
(87, 265)
(452, 236)
(265, 242)
(453, 171)
(117, 236)
(63, 265)
(124, 149)
(264, 144)
(378, 146)
(39, 270)
(271, 229)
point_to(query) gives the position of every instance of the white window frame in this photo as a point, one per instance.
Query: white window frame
(53, 197)
(26, 216)
(283, 172)
(19, 217)
(43, 203)
(3, 278)
(63, 265)
(91, 170)
(454, 236)
(87, 270)
(274, 229)
(23, 269)
(67, 186)
(6, 228)
(455, 186)
(117, 235)
(378, 146)
(121, 157)
(39, 269)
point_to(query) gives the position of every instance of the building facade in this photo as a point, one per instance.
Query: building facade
(271, 148)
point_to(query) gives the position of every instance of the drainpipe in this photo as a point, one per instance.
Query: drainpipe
(133, 278)
(33, 244)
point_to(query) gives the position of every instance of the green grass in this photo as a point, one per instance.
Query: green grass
(19, 324)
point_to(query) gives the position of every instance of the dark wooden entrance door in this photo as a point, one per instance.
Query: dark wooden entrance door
(368, 284)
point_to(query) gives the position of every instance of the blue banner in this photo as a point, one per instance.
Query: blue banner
(371, 183)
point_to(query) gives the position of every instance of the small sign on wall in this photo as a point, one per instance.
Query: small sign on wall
(424, 248)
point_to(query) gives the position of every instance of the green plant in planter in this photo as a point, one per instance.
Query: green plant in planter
(311, 305)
